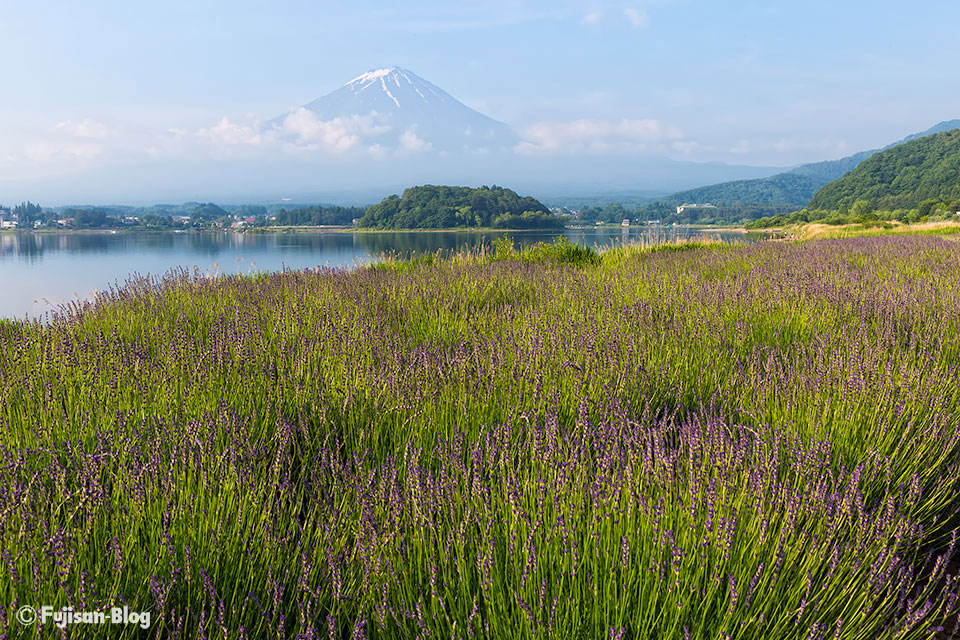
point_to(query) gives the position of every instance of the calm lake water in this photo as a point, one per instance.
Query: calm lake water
(39, 272)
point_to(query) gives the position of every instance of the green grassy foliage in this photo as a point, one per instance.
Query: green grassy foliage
(695, 441)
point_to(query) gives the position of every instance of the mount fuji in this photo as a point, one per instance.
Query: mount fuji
(394, 108)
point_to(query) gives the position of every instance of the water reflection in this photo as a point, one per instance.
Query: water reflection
(60, 267)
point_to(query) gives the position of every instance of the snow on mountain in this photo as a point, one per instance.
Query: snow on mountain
(392, 109)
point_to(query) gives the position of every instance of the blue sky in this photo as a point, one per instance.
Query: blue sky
(757, 83)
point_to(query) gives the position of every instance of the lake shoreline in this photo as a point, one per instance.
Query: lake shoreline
(351, 229)
(62, 265)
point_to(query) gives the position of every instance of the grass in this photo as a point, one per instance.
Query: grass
(696, 441)
(824, 231)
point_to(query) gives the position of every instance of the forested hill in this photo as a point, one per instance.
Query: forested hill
(831, 170)
(439, 207)
(901, 177)
(781, 189)
(795, 187)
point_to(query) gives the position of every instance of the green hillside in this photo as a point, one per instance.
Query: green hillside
(442, 207)
(794, 187)
(901, 177)
(781, 189)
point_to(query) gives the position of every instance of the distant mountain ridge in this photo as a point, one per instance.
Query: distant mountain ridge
(900, 177)
(794, 187)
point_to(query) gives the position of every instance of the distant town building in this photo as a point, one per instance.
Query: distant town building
(685, 206)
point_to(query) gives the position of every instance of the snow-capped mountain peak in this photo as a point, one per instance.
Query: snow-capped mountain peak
(400, 109)
(372, 76)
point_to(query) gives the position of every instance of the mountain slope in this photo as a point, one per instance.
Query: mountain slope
(830, 170)
(795, 187)
(780, 189)
(396, 108)
(900, 177)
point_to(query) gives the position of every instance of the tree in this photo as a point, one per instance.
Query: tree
(927, 206)
(207, 213)
(27, 212)
(861, 207)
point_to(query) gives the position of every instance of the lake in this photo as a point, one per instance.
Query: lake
(39, 272)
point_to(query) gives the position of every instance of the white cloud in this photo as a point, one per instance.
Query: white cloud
(226, 132)
(597, 136)
(686, 147)
(51, 150)
(338, 134)
(378, 151)
(55, 147)
(69, 144)
(638, 18)
(87, 128)
(593, 17)
(410, 143)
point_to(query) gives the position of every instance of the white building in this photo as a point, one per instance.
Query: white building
(685, 206)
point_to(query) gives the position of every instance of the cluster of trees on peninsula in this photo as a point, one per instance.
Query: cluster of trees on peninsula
(440, 207)
(318, 216)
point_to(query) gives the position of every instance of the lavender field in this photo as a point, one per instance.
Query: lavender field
(693, 441)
